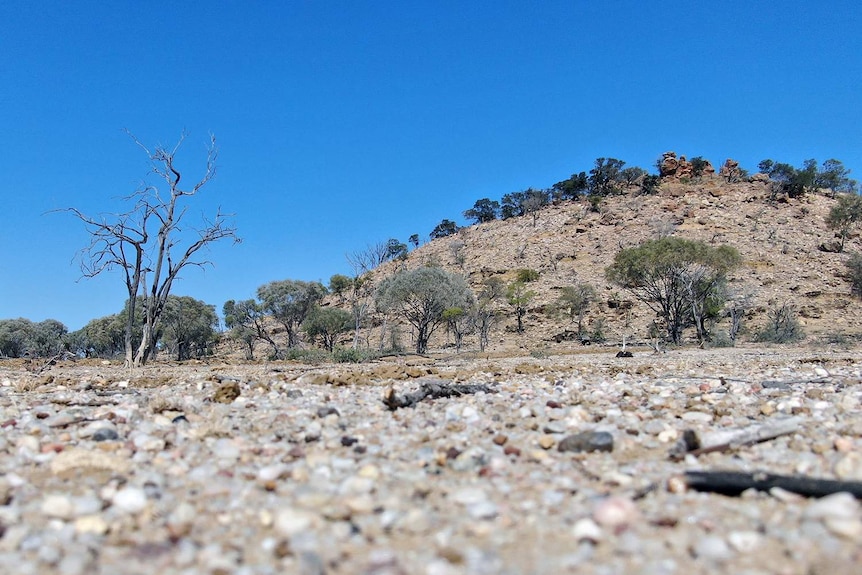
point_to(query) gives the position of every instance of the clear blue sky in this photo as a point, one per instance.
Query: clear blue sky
(346, 123)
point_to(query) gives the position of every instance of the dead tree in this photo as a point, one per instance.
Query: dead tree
(145, 242)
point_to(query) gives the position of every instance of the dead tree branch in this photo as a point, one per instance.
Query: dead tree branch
(724, 440)
(734, 483)
(431, 390)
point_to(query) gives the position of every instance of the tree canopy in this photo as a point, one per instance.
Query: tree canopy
(421, 296)
(681, 280)
(289, 302)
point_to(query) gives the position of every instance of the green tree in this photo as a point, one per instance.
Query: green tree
(289, 301)
(414, 240)
(246, 321)
(484, 313)
(443, 229)
(789, 180)
(844, 215)
(327, 323)
(631, 176)
(48, 338)
(420, 296)
(395, 250)
(522, 203)
(20, 337)
(574, 301)
(484, 210)
(189, 327)
(14, 335)
(519, 297)
(650, 184)
(606, 177)
(698, 165)
(145, 243)
(103, 337)
(570, 188)
(681, 280)
(458, 323)
(339, 284)
(834, 176)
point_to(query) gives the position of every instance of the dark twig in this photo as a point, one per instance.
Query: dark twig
(734, 483)
(431, 390)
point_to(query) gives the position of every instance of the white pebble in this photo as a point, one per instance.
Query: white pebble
(58, 506)
(744, 541)
(290, 522)
(615, 512)
(712, 548)
(587, 530)
(130, 500)
(837, 505)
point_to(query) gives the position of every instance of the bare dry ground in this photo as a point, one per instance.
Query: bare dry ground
(288, 468)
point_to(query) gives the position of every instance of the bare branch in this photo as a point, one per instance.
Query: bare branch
(124, 240)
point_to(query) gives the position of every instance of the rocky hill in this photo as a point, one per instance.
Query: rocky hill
(781, 240)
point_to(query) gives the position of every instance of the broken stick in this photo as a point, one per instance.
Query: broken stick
(431, 390)
(734, 483)
(724, 440)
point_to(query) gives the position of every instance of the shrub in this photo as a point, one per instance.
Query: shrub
(526, 275)
(350, 355)
(854, 274)
(782, 326)
(598, 334)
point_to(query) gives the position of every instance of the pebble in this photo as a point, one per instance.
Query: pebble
(289, 522)
(326, 479)
(105, 434)
(849, 467)
(712, 548)
(547, 442)
(587, 441)
(616, 513)
(745, 541)
(585, 529)
(58, 506)
(130, 500)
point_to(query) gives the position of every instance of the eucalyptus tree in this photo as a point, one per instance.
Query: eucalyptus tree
(289, 302)
(152, 242)
(683, 281)
(421, 296)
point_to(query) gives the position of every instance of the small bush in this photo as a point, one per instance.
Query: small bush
(527, 275)
(598, 334)
(311, 356)
(350, 355)
(721, 339)
(782, 326)
(854, 274)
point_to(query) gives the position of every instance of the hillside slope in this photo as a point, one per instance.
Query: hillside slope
(778, 239)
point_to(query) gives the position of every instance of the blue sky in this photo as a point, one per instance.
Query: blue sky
(342, 124)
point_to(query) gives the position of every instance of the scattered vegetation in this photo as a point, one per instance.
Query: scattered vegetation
(683, 281)
(795, 182)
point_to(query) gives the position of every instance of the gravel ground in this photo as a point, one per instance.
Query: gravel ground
(281, 468)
